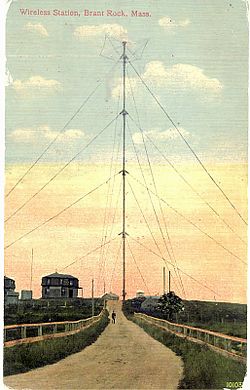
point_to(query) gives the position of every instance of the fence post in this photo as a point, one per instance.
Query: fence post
(5, 334)
(23, 332)
(55, 328)
(40, 330)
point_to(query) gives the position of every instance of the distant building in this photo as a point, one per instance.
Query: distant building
(110, 297)
(26, 295)
(60, 286)
(139, 293)
(150, 303)
(10, 295)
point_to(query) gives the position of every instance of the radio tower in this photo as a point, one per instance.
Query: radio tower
(124, 113)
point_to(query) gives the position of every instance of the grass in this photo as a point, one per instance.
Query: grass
(223, 317)
(36, 311)
(232, 329)
(203, 368)
(25, 357)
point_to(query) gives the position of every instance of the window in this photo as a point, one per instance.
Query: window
(63, 291)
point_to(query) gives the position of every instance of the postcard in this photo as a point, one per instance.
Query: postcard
(125, 251)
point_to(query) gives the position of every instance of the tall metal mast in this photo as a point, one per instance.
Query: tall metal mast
(124, 113)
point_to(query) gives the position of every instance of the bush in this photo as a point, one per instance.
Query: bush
(25, 357)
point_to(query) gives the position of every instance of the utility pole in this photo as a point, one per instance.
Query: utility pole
(104, 287)
(124, 113)
(169, 281)
(93, 299)
(31, 270)
(164, 280)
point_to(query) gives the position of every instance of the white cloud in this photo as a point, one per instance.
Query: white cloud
(169, 24)
(8, 77)
(35, 83)
(23, 135)
(113, 30)
(130, 86)
(179, 76)
(71, 134)
(157, 135)
(184, 76)
(28, 135)
(37, 28)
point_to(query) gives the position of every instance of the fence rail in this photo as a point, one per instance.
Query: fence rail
(229, 345)
(29, 333)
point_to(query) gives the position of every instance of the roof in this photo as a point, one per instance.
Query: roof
(150, 301)
(61, 276)
(7, 278)
(110, 295)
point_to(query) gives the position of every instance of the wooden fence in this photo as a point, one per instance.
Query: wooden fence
(30, 333)
(228, 345)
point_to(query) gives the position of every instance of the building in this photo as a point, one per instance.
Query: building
(26, 295)
(140, 293)
(60, 286)
(10, 295)
(150, 303)
(110, 297)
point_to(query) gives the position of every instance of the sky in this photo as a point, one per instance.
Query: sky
(193, 55)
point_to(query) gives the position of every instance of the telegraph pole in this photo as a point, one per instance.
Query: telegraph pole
(169, 275)
(124, 113)
(93, 299)
(164, 280)
(31, 270)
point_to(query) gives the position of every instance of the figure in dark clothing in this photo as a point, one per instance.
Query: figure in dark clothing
(113, 317)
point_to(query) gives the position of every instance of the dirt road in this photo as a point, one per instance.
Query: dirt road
(123, 357)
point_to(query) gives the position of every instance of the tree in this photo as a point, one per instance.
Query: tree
(169, 304)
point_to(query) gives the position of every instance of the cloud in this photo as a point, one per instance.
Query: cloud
(37, 28)
(157, 135)
(184, 76)
(8, 78)
(179, 76)
(113, 30)
(169, 24)
(130, 85)
(28, 135)
(23, 135)
(71, 134)
(35, 83)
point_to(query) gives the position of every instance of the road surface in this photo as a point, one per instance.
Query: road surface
(123, 357)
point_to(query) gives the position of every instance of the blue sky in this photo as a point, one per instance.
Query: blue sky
(195, 62)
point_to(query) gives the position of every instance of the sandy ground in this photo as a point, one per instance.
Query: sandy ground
(123, 357)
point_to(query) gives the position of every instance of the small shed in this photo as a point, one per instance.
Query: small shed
(140, 293)
(26, 295)
(110, 297)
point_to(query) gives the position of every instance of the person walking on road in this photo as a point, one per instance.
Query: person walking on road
(113, 317)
